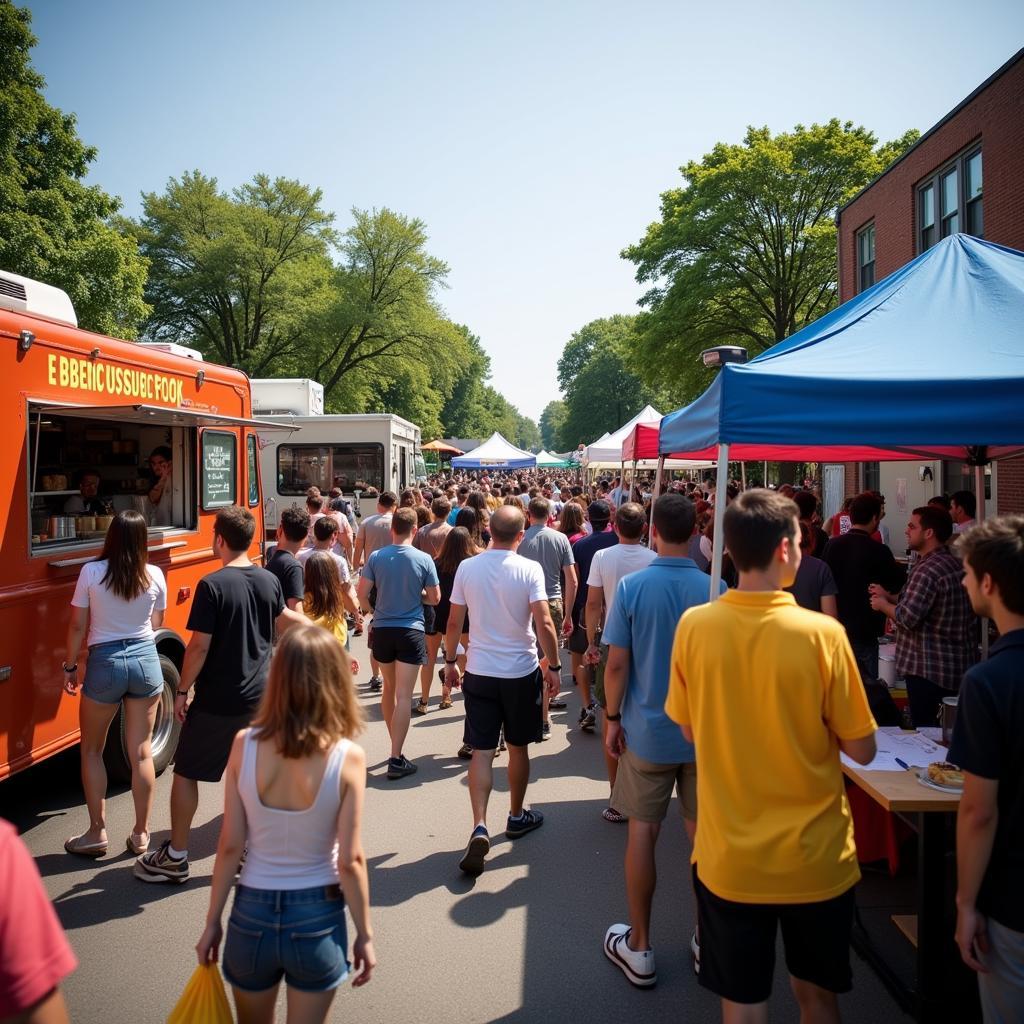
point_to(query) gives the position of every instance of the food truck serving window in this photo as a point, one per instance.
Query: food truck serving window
(254, 480)
(83, 467)
(350, 467)
(219, 469)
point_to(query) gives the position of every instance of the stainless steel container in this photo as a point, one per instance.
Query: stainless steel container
(947, 717)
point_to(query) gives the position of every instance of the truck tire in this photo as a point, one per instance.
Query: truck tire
(165, 730)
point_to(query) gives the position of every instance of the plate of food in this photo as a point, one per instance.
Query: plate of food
(943, 776)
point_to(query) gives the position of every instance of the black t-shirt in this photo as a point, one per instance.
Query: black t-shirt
(857, 561)
(987, 742)
(288, 570)
(237, 607)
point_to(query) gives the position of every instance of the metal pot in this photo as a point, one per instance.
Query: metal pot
(947, 717)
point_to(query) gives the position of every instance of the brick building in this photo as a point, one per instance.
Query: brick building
(964, 174)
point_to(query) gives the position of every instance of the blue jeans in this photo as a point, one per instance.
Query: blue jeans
(297, 934)
(122, 668)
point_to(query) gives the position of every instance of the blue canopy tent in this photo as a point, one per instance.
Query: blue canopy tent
(926, 364)
(495, 453)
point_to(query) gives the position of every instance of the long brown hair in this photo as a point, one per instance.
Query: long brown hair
(571, 519)
(310, 701)
(124, 549)
(324, 597)
(458, 546)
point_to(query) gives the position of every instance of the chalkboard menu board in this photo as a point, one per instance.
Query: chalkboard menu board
(219, 469)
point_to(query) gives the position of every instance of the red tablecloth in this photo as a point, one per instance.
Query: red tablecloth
(879, 834)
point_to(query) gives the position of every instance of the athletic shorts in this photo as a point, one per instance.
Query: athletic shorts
(737, 943)
(598, 688)
(429, 619)
(492, 704)
(396, 643)
(578, 641)
(643, 789)
(204, 745)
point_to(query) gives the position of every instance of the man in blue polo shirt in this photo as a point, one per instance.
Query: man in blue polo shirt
(987, 746)
(653, 757)
(406, 580)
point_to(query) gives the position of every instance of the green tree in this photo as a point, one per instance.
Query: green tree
(745, 250)
(551, 421)
(53, 227)
(243, 276)
(601, 390)
(466, 413)
(527, 433)
(385, 299)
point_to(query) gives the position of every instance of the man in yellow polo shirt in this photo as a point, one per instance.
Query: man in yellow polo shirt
(769, 693)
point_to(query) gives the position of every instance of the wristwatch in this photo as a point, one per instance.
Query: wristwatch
(69, 668)
(609, 717)
(454, 661)
(554, 668)
(182, 693)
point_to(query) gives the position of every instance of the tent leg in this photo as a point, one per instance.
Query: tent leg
(721, 492)
(979, 494)
(656, 493)
(743, 475)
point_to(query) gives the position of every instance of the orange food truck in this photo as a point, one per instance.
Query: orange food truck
(81, 415)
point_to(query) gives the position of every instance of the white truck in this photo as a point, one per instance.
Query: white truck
(352, 451)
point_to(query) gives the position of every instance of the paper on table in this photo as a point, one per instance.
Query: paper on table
(912, 747)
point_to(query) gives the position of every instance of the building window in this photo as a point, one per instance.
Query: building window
(866, 258)
(872, 476)
(950, 201)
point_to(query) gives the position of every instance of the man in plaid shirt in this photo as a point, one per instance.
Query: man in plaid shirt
(936, 629)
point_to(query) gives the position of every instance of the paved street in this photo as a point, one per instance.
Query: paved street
(520, 943)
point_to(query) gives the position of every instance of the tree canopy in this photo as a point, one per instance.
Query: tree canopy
(601, 389)
(53, 227)
(551, 421)
(745, 250)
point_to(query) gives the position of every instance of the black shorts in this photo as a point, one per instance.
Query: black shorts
(204, 744)
(429, 619)
(737, 943)
(578, 642)
(493, 703)
(396, 643)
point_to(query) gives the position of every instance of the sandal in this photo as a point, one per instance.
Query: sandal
(610, 814)
(421, 708)
(137, 843)
(446, 703)
(79, 849)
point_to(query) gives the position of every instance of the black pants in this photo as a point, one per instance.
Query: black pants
(925, 699)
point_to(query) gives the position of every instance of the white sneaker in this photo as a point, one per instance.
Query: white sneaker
(695, 950)
(638, 967)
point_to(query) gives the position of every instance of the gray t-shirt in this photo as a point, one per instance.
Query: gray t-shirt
(814, 580)
(376, 533)
(552, 551)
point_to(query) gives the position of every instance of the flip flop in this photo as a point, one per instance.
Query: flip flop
(92, 850)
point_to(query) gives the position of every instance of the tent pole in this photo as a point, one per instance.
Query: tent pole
(721, 492)
(979, 494)
(766, 473)
(656, 493)
(743, 475)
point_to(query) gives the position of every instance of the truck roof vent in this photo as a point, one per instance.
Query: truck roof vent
(24, 295)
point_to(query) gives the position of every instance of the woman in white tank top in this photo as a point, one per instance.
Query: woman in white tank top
(292, 801)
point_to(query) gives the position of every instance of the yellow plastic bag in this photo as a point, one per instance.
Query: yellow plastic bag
(204, 1000)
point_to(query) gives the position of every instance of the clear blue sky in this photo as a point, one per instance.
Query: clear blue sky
(533, 138)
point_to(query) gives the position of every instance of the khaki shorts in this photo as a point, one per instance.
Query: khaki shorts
(643, 789)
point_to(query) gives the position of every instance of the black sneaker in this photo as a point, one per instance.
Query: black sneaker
(588, 718)
(472, 862)
(160, 866)
(399, 767)
(465, 752)
(545, 732)
(376, 684)
(526, 822)
(557, 703)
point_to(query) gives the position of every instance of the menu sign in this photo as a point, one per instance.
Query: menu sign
(219, 469)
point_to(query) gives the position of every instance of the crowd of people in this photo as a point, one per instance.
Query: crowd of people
(740, 706)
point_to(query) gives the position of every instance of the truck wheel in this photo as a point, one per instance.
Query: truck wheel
(165, 730)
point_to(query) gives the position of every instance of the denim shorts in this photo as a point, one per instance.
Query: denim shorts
(122, 668)
(298, 934)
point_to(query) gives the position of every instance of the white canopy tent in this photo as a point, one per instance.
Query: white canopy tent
(606, 452)
(495, 453)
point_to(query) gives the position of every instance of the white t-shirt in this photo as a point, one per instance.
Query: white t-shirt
(498, 587)
(111, 617)
(611, 564)
(343, 572)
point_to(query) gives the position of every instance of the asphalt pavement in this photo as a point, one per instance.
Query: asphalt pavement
(523, 942)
